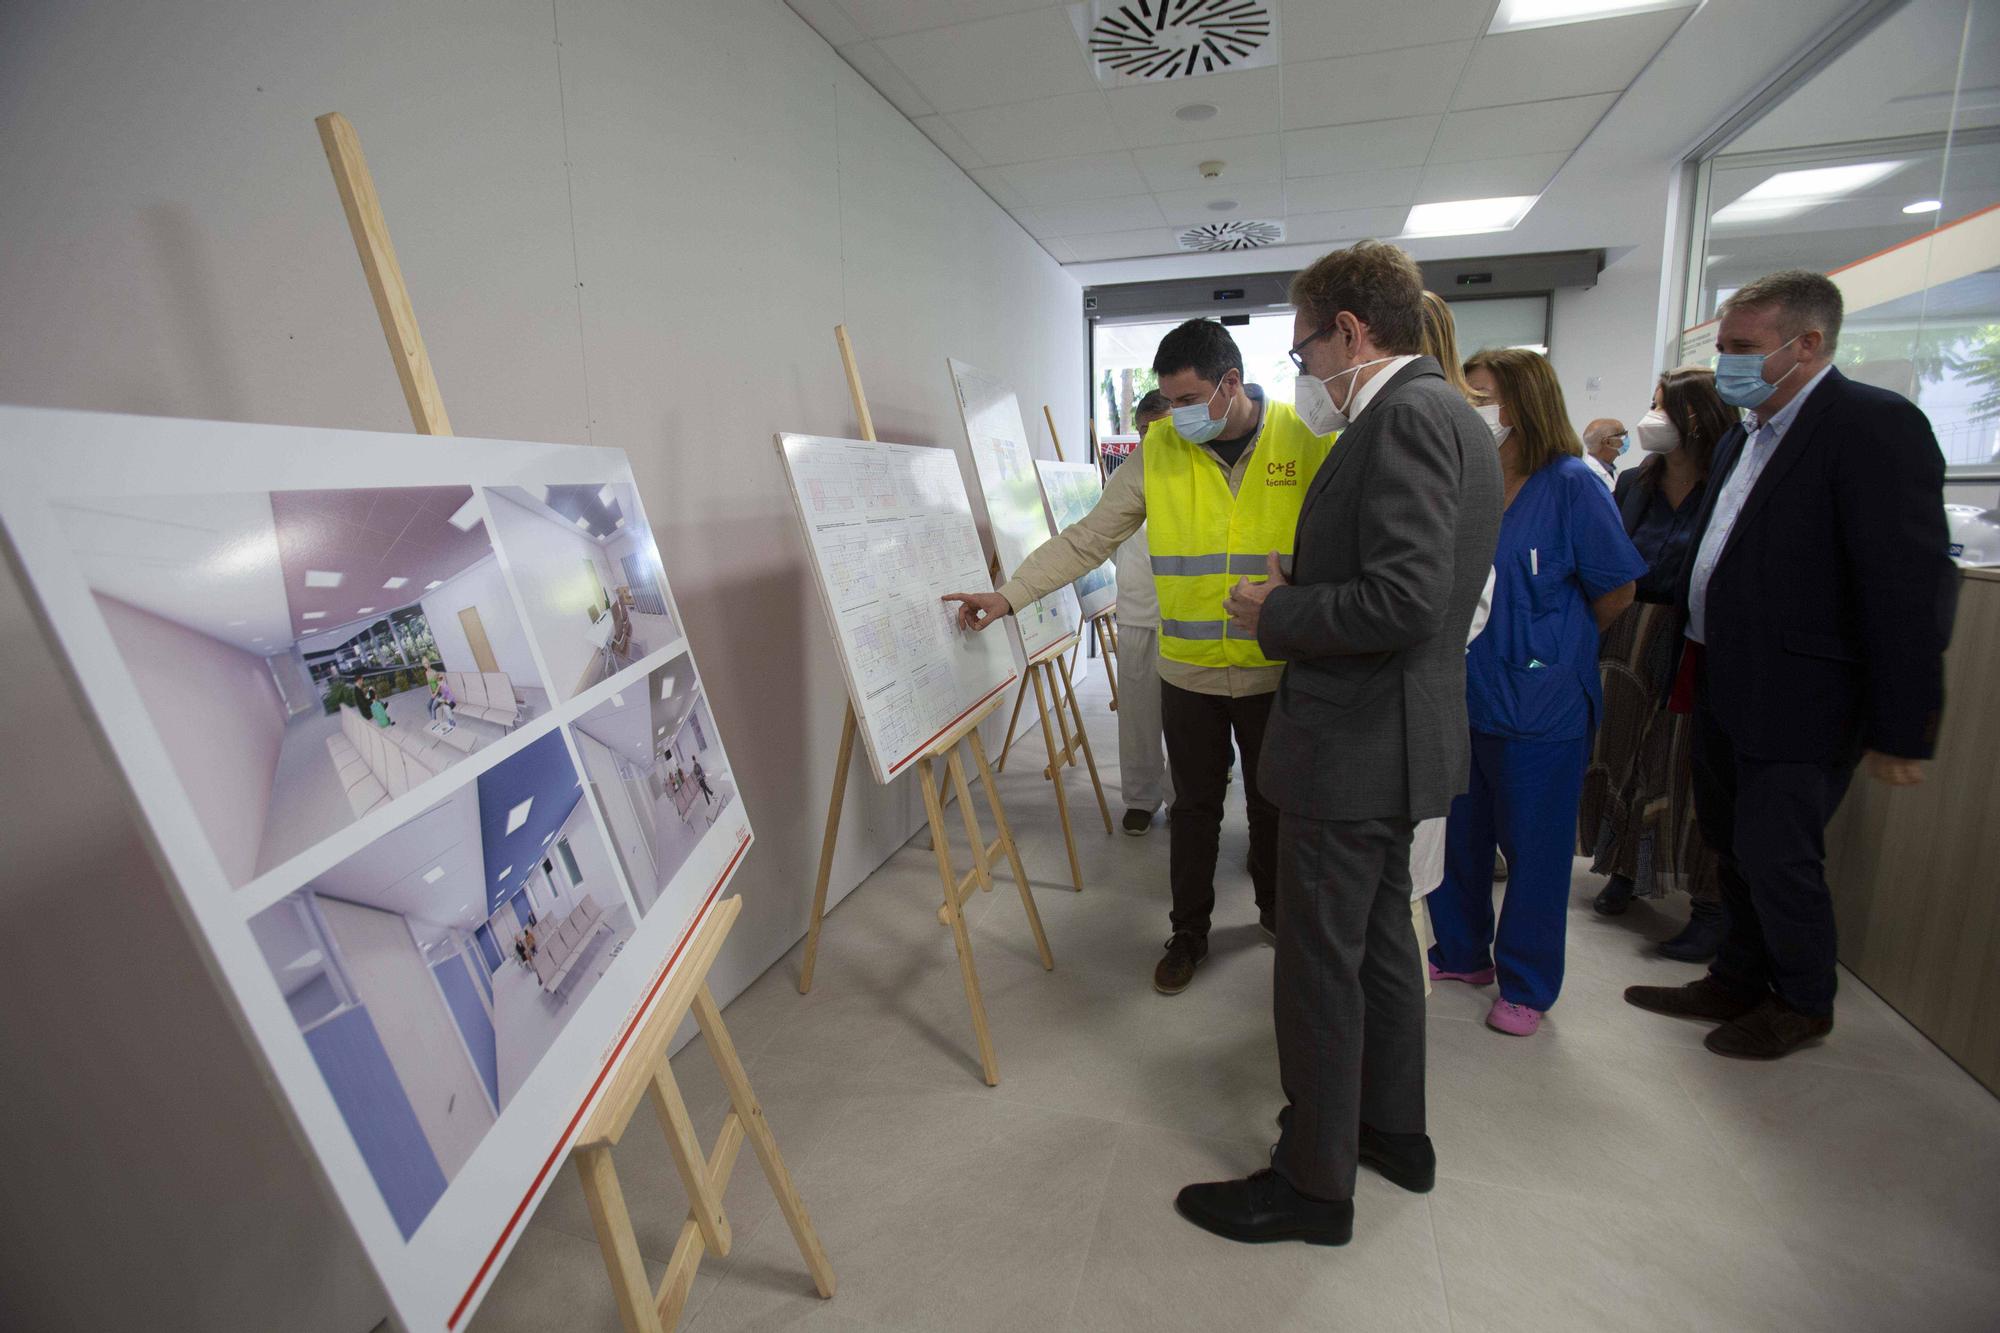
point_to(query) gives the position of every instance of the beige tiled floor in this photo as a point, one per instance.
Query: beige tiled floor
(1606, 1174)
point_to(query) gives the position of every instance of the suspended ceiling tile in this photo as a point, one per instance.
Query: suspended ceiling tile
(1059, 249)
(1062, 179)
(1066, 126)
(886, 18)
(940, 132)
(1570, 59)
(1412, 81)
(1185, 208)
(1349, 224)
(1017, 58)
(990, 180)
(1085, 216)
(1123, 244)
(869, 62)
(1247, 160)
(1352, 189)
(1511, 131)
(1324, 30)
(1375, 146)
(829, 20)
(1245, 102)
(1488, 178)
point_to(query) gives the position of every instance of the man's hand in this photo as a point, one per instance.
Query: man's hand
(978, 610)
(1890, 771)
(1245, 603)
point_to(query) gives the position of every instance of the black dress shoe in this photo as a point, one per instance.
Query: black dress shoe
(1770, 1030)
(1266, 1208)
(1614, 898)
(1173, 972)
(1138, 823)
(1706, 999)
(1698, 942)
(1401, 1159)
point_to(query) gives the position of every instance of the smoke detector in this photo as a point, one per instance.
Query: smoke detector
(1237, 234)
(1151, 41)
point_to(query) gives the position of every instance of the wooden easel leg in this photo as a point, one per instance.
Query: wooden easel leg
(826, 844)
(704, 1203)
(615, 1238)
(751, 1116)
(1089, 756)
(1062, 714)
(1013, 852)
(1020, 696)
(961, 938)
(978, 839)
(1055, 774)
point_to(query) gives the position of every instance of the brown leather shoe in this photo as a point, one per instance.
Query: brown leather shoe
(1706, 999)
(1176, 970)
(1770, 1030)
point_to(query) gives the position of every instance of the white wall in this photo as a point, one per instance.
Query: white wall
(646, 248)
(593, 859)
(219, 715)
(547, 558)
(480, 586)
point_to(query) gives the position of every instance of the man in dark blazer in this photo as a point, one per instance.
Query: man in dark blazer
(1819, 598)
(1367, 736)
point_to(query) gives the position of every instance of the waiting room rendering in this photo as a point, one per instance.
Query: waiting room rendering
(657, 771)
(307, 656)
(590, 578)
(429, 972)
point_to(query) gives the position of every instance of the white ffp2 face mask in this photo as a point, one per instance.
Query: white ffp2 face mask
(1490, 414)
(1314, 402)
(1656, 434)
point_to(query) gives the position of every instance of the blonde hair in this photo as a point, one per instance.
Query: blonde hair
(1534, 400)
(1440, 342)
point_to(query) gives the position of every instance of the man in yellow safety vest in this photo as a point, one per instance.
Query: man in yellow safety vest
(1218, 486)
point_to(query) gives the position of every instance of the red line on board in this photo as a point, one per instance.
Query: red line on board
(954, 722)
(458, 1311)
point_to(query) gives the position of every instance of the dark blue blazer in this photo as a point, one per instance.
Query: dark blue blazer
(1829, 611)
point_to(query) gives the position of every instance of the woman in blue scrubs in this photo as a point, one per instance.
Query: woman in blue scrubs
(1563, 570)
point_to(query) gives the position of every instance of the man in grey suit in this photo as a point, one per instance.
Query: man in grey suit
(1367, 736)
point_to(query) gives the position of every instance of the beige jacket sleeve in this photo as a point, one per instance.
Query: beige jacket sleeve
(1086, 543)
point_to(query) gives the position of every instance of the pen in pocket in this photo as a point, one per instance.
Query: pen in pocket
(1535, 561)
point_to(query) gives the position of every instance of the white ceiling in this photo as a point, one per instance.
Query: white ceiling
(389, 872)
(1371, 108)
(637, 721)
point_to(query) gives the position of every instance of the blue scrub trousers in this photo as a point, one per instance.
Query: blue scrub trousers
(1523, 797)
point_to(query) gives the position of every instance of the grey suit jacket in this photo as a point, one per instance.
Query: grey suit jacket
(1395, 536)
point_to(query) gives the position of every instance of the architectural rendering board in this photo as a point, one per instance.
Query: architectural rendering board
(1003, 468)
(1072, 490)
(428, 763)
(890, 530)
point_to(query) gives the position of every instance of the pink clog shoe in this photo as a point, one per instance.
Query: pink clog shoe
(1516, 1020)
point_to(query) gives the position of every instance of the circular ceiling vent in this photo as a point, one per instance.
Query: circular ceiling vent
(1156, 40)
(1237, 234)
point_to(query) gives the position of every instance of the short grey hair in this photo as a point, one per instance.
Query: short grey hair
(1803, 300)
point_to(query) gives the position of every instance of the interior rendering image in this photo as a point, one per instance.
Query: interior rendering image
(658, 773)
(429, 972)
(307, 656)
(590, 578)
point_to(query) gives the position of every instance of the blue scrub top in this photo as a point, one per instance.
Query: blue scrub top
(1532, 673)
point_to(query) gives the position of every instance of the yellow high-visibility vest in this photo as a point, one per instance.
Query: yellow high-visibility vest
(1203, 538)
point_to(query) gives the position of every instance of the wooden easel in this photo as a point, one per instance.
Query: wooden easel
(957, 888)
(643, 1073)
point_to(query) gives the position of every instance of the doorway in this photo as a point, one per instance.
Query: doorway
(475, 639)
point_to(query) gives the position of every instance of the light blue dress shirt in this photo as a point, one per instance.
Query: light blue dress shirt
(1750, 464)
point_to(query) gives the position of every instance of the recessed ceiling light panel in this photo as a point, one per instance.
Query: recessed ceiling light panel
(519, 815)
(1468, 217)
(1236, 234)
(395, 582)
(466, 516)
(1520, 15)
(323, 578)
(1152, 41)
(434, 874)
(1790, 193)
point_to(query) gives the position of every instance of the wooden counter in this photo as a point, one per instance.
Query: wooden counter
(1916, 872)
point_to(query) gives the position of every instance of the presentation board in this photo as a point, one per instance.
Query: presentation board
(1071, 491)
(890, 530)
(1004, 482)
(428, 766)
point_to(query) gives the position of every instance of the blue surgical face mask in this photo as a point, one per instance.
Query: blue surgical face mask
(1739, 376)
(1194, 423)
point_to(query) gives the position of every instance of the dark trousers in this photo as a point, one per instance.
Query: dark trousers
(1198, 728)
(1766, 821)
(1349, 996)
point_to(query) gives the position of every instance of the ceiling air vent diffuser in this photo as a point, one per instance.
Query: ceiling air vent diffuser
(1240, 234)
(1151, 41)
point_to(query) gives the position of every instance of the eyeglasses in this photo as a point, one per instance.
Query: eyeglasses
(1304, 343)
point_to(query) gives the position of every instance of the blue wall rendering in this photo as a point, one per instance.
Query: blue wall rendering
(474, 1023)
(542, 773)
(371, 1100)
(488, 950)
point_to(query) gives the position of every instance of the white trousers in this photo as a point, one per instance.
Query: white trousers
(1142, 746)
